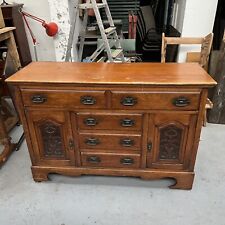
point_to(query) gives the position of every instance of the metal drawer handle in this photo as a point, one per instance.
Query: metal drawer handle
(127, 123)
(88, 100)
(93, 159)
(127, 161)
(181, 101)
(90, 121)
(128, 101)
(38, 99)
(127, 142)
(92, 141)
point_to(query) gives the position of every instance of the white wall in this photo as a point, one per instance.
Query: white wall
(59, 11)
(45, 47)
(199, 19)
(63, 12)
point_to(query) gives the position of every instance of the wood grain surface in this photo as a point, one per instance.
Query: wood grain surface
(106, 73)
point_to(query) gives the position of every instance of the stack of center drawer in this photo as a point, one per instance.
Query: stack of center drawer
(110, 140)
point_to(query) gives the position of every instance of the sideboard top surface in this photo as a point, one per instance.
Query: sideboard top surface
(113, 73)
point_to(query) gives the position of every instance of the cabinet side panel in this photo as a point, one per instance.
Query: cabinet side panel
(203, 98)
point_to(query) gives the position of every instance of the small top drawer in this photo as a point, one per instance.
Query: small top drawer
(62, 98)
(109, 121)
(155, 100)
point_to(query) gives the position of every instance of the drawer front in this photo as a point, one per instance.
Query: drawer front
(87, 121)
(156, 100)
(110, 141)
(70, 98)
(110, 160)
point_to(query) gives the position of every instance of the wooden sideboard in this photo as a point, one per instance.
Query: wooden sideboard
(141, 120)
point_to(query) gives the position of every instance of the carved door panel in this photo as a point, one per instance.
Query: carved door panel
(51, 137)
(170, 140)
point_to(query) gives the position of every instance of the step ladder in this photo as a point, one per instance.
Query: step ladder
(110, 40)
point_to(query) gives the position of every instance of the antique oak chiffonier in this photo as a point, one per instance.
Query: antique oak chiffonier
(141, 120)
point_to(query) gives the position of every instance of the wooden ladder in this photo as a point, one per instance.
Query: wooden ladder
(110, 40)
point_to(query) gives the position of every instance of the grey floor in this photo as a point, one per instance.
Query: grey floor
(113, 200)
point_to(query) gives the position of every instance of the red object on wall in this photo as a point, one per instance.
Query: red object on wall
(51, 28)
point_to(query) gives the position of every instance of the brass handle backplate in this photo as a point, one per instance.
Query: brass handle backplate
(181, 101)
(93, 159)
(88, 100)
(127, 161)
(128, 101)
(127, 123)
(90, 121)
(92, 141)
(127, 142)
(38, 99)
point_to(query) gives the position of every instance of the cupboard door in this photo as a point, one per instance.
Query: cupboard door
(170, 140)
(51, 137)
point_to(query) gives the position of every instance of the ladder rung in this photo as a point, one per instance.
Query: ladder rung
(90, 6)
(97, 52)
(92, 28)
(110, 30)
(116, 52)
(102, 59)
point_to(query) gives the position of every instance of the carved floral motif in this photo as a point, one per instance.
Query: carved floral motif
(52, 140)
(170, 142)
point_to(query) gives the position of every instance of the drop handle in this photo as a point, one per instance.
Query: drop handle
(93, 159)
(127, 142)
(127, 161)
(38, 99)
(127, 123)
(181, 101)
(90, 122)
(128, 101)
(92, 141)
(88, 100)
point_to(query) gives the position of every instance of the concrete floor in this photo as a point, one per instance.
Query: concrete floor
(90, 200)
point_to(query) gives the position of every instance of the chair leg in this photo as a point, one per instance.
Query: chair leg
(205, 118)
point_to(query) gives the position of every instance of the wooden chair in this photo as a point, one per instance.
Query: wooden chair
(201, 57)
(205, 42)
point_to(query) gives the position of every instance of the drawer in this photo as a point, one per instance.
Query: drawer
(88, 121)
(155, 100)
(110, 160)
(110, 141)
(61, 98)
